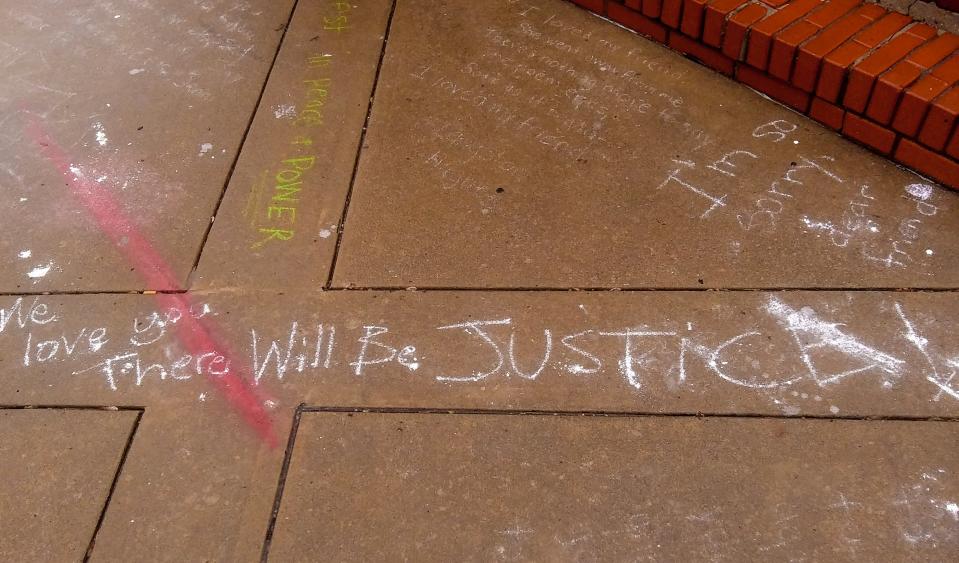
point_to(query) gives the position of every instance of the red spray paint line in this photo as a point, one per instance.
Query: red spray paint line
(196, 336)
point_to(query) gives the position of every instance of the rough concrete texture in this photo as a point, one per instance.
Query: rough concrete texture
(933, 15)
(573, 488)
(58, 467)
(666, 319)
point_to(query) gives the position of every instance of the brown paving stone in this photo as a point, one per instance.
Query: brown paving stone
(282, 209)
(57, 467)
(194, 487)
(442, 487)
(611, 146)
(148, 104)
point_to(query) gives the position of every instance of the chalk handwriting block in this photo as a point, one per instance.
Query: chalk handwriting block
(531, 144)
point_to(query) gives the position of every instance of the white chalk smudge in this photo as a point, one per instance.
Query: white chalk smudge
(927, 518)
(40, 271)
(329, 231)
(135, 71)
(818, 225)
(921, 343)
(205, 148)
(953, 508)
(811, 333)
(919, 191)
(25, 253)
(284, 111)
(101, 134)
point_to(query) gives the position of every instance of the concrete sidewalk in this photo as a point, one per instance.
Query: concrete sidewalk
(417, 280)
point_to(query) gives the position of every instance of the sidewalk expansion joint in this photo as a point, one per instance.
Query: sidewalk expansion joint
(95, 292)
(109, 408)
(113, 484)
(518, 289)
(534, 289)
(281, 483)
(607, 414)
(359, 147)
(239, 150)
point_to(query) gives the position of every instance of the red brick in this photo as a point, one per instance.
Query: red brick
(652, 8)
(868, 133)
(947, 71)
(785, 43)
(784, 46)
(594, 5)
(915, 103)
(693, 17)
(863, 75)
(635, 5)
(672, 13)
(828, 114)
(736, 26)
(929, 163)
(835, 64)
(935, 51)
(940, 119)
(761, 34)
(775, 88)
(715, 20)
(635, 21)
(706, 55)
(810, 55)
(774, 3)
(952, 149)
(889, 86)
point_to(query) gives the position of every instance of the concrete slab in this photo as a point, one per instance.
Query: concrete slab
(58, 466)
(833, 354)
(509, 141)
(441, 487)
(200, 484)
(120, 120)
(282, 210)
(195, 487)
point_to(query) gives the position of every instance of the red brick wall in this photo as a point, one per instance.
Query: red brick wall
(878, 77)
